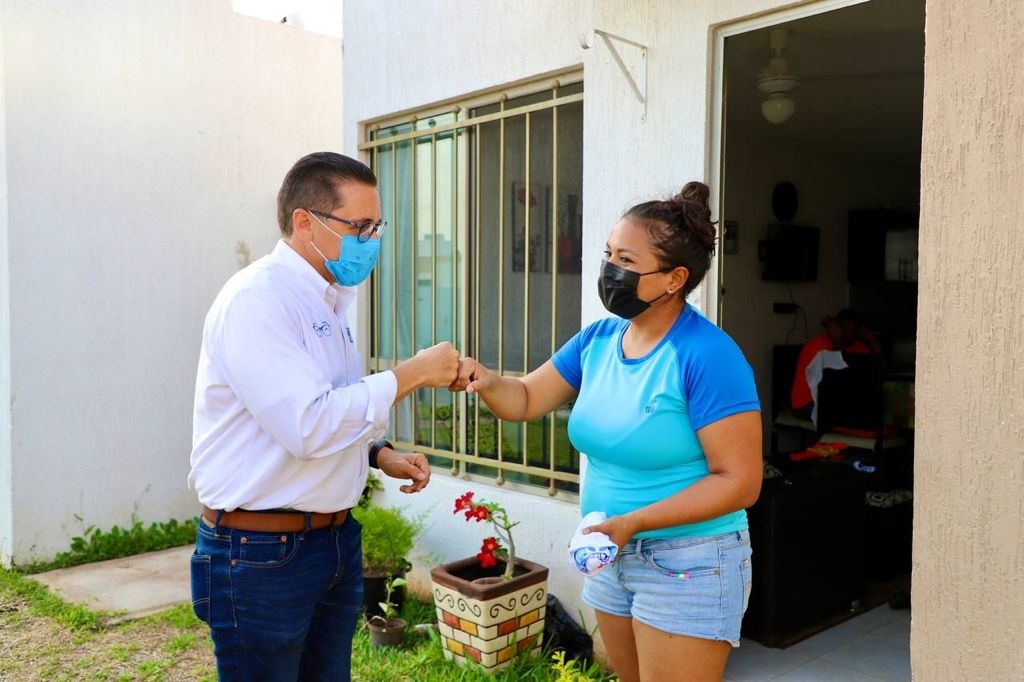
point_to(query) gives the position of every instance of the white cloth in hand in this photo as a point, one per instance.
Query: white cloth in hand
(591, 552)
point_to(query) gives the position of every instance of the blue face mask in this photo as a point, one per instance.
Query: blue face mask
(356, 260)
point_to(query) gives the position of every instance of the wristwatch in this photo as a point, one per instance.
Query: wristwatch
(375, 449)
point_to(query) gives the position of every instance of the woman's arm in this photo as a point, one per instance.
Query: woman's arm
(732, 446)
(514, 398)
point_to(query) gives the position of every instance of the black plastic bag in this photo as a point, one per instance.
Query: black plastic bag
(563, 633)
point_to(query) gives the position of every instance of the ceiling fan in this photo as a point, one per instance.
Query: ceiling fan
(776, 81)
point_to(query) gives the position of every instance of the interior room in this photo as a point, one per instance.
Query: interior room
(821, 174)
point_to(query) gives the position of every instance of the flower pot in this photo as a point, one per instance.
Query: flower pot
(489, 622)
(375, 591)
(386, 633)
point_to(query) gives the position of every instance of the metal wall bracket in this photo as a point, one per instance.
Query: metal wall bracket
(631, 58)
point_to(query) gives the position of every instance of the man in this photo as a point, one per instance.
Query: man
(844, 332)
(285, 428)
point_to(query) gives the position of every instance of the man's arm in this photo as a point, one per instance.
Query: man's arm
(437, 367)
(259, 350)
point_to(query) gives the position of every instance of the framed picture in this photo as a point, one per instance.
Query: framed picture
(569, 244)
(535, 202)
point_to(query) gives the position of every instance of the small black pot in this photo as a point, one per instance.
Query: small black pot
(387, 633)
(374, 592)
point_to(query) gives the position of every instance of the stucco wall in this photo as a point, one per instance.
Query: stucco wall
(969, 507)
(145, 145)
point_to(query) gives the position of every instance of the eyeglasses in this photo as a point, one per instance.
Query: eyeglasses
(367, 228)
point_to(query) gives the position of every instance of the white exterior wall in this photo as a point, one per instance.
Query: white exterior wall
(6, 512)
(398, 60)
(146, 142)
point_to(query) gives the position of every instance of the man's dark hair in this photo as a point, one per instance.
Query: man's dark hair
(314, 183)
(849, 315)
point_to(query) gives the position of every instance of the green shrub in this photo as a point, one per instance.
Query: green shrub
(373, 484)
(97, 545)
(388, 537)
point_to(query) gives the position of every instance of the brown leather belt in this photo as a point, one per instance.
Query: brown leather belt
(285, 521)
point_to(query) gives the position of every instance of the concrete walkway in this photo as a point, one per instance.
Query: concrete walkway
(132, 587)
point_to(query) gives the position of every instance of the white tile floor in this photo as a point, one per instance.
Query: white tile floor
(873, 647)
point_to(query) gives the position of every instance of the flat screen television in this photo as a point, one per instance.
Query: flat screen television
(789, 253)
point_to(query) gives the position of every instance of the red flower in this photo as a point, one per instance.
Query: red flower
(501, 544)
(486, 560)
(479, 513)
(463, 502)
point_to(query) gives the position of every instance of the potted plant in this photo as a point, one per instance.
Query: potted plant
(388, 537)
(387, 629)
(490, 607)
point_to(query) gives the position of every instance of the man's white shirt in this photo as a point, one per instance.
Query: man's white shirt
(283, 414)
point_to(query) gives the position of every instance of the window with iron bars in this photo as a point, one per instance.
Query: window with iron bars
(484, 196)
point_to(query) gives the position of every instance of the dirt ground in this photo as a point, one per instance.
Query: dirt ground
(170, 646)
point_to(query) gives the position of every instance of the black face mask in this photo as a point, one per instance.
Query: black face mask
(617, 288)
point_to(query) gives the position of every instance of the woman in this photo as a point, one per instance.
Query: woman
(667, 413)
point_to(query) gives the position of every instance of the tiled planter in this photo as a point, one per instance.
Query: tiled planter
(489, 623)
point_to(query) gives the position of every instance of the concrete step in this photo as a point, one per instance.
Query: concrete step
(132, 587)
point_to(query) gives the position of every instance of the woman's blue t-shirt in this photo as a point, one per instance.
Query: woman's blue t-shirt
(637, 419)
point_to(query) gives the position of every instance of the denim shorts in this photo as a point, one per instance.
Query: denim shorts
(696, 587)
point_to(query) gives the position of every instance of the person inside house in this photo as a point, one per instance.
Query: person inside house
(667, 413)
(845, 332)
(285, 426)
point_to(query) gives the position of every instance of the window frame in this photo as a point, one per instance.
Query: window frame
(465, 321)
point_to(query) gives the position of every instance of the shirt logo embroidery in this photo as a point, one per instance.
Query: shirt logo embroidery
(322, 329)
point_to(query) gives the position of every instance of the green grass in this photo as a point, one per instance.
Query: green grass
(421, 659)
(61, 641)
(182, 642)
(123, 652)
(181, 617)
(42, 602)
(74, 643)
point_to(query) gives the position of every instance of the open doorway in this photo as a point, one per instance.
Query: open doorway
(820, 155)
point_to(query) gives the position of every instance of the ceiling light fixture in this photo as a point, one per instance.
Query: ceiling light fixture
(776, 81)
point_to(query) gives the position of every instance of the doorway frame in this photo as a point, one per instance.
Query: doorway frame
(715, 143)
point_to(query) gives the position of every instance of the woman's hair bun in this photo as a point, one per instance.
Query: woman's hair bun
(680, 230)
(697, 192)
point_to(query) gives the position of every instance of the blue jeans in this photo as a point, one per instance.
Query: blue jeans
(281, 607)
